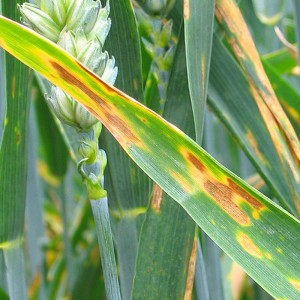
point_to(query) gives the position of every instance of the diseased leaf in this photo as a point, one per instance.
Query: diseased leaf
(229, 15)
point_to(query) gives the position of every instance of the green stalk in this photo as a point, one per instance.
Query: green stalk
(108, 261)
(14, 261)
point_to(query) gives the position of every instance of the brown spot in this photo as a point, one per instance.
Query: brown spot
(157, 197)
(186, 9)
(191, 273)
(109, 119)
(295, 283)
(245, 195)
(247, 243)
(196, 162)
(18, 136)
(70, 78)
(144, 120)
(222, 194)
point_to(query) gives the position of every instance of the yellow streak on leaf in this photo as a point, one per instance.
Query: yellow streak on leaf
(186, 9)
(45, 173)
(273, 129)
(129, 213)
(248, 245)
(295, 283)
(256, 215)
(188, 187)
(191, 273)
(35, 285)
(293, 112)
(279, 250)
(18, 135)
(268, 256)
(255, 146)
(11, 244)
(157, 197)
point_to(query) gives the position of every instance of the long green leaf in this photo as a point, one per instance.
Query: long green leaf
(167, 235)
(198, 22)
(259, 235)
(13, 147)
(13, 163)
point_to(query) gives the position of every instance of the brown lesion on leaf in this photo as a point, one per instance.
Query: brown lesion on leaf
(18, 135)
(191, 273)
(186, 9)
(245, 195)
(196, 162)
(223, 195)
(230, 15)
(228, 194)
(157, 197)
(248, 245)
(108, 112)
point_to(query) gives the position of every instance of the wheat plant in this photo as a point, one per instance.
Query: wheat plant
(149, 149)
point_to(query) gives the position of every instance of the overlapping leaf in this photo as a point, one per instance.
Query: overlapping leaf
(281, 131)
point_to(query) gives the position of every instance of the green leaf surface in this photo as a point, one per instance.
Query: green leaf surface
(13, 163)
(15, 82)
(281, 60)
(201, 286)
(259, 235)
(198, 30)
(167, 234)
(164, 251)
